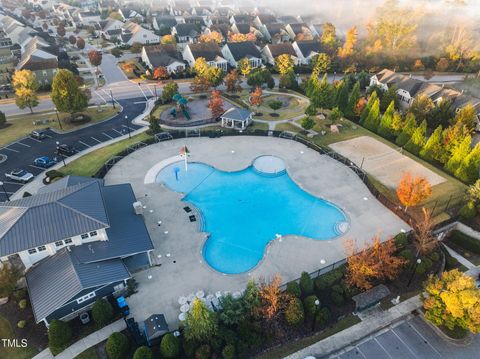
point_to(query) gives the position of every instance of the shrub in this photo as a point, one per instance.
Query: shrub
(337, 298)
(323, 316)
(434, 256)
(307, 123)
(468, 211)
(407, 254)
(294, 313)
(451, 262)
(143, 353)
(203, 352)
(22, 304)
(117, 345)
(52, 174)
(328, 279)
(21, 324)
(189, 347)
(102, 312)
(464, 241)
(310, 306)
(217, 344)
(424, 266)
(293, 288)
(337, 288)
(20, 294)
(170, 346)
(400, 240)
(228, 352)
(306, 284)
(59, 334)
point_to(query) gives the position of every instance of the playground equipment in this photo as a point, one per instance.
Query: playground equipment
(181, 104)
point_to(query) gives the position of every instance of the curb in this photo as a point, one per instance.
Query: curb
(458, 342)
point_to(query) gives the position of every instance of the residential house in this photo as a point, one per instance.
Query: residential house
(163, 56)
(110, 28)
(186, 33)
(219, 20)
(40, 60)
(316, 30)
(164, 23)
(86, 18)
(236, 51)
(79, 241)
(210, 51)
(133, 32)
(240, 28)
(241, 19)
(262, 20)
(288, 19)
(274, 33)
(271, 51)
(222, 29)
(132, 12)
(198, 21)
(203, 11)
(307, 50)
(299, 31)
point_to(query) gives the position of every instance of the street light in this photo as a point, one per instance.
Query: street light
(317, 304)
(58, 118)
(128, 128)
(113, 101)
(60, 154)
(418, 261)
(4, 191)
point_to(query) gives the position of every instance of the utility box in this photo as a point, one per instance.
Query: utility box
(138, 207)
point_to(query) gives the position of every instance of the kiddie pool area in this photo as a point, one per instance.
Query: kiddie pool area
(243, 211)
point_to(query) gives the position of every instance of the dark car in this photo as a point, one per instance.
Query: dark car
(38, 134)
(44, 162)
(66, 150)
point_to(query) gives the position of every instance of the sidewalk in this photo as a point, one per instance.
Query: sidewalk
(83, 344)
(361, 330)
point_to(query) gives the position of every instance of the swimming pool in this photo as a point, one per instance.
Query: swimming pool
(243, 211)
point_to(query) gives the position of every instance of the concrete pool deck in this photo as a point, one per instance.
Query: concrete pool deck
(180, 268)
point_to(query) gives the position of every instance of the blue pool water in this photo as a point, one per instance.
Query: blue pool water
(243, 211)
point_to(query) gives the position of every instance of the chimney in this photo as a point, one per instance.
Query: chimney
(138, 208)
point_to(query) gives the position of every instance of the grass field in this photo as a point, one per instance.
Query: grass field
(6, 332)
(20, 126)
(90, 163)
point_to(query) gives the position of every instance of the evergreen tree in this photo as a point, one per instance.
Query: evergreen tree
(433, 147)
(366, 110)
(325, 94)
(352, 101)
(385, 128)
(468, 170)
(397, 124)
(388, 97)
(342, 97)
(407, 130)
(372, 120)
(459, 153)
(417, 141)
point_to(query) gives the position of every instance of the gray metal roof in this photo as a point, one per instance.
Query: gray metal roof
(67, 182)
(51, 216)
(127, 233)
(235, 113)
(56, 280)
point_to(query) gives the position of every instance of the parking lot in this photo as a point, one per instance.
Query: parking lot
(23, 152)
(409, 339)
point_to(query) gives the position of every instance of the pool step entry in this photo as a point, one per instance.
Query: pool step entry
(269, 166)
(342, 227)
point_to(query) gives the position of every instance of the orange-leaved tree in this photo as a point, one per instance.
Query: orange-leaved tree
(411, 190)
(232, 82)
(425, 241)
(256, 97)
(272, 299)
(160, 73)
(376, 261)
(216, 104)
(214, 36)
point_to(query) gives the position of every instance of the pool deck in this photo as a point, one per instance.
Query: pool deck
(180, 268)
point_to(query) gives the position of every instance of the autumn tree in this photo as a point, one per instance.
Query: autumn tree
(442, 65)
(375, 261)
(216, 104)
(244, 66)
(284, 64)
(72, 40)
(61, 30)
(418, 65)
(348, 47)
(169, 90)
(255, 98)
(213, 36)
(421, 106)
(321, 64)
(160, 73)
(237, 37)
(95, 58)
(468, 169)
(411, 190)
(232, 82)
(453, 300)
(80, 43)
(167, 39)
(424, 240)
(26, 85)
(467, 116)
(272, 299)
(66, 94)
(329, 38)
(459, 153)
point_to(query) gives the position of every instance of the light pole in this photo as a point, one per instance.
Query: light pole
(128, 128)
(4, 191)
(417, 262)
(58, 118)
(113, 101)
(60, 154)
(155, 89)
(317, 304)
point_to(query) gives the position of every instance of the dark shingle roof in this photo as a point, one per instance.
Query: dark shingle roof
(220, 28)
(208, 50)
(243, 19)
(246, 49)
(162, 55)
(307, 47)
(243, 28)
(55, 280)
(51, 216)
(166, 21)
(127, 233)
(267, 19)
(281, 49)
(274, 29)
(298, 28)
(186, 30)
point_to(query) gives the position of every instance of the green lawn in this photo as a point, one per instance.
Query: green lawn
(90, 353)
(20, 126)
(90, 163)
(259, 126)
(294, 346)
(285, 126)
(6, 332)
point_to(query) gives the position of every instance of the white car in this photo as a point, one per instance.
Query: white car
(19, 175)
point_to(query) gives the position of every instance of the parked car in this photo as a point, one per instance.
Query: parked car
(66, 150)
(19, 175)
(38, 134)
(44, 162)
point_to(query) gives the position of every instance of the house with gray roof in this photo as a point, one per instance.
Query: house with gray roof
(236, 51)
(164, 23)
(163, 56)
(210, 51)
(78, 240)
(307, 50)
(186, 33)
(271, 51)
(236, 118)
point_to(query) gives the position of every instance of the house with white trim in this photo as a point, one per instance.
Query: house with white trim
(163, 56)
(210, 51)
(133, 32)
(271, 51)
(233, 52)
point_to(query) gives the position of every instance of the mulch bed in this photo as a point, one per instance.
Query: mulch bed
(274, 114)
(35, 333)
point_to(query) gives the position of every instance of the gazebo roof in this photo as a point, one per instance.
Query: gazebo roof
(371, 296)
(237, 114)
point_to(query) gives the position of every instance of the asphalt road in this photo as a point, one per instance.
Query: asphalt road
(411, 339)
(22, 153)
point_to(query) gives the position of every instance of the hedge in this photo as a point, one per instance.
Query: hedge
(462, 240)
(117, 345)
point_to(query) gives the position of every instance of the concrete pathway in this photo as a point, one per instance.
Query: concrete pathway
(83, 344)
(375, 322)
